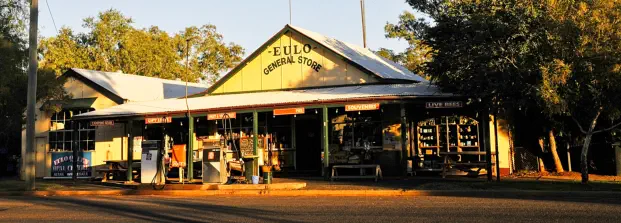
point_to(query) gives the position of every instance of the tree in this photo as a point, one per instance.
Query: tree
(113, 44)
(13, 78)
(583, 80)
(561, 57)
(417, 54)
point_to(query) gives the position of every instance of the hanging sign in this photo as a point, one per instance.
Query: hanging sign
(102, 123)
(157, 120)
(288, 111)
(221, 115)
(362, 107)
(444, 104)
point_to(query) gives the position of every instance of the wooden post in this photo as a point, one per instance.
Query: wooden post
(404, 153)
(497, 149)
(485, 141)
(255, 134)
(130, 150)
(75, 148)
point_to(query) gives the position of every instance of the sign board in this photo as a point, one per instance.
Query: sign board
(362, 107)
(62, 164)
(157, 120)
(221, 115)
(444, 104)
(102, 123)
(288, 111)
(178, 156)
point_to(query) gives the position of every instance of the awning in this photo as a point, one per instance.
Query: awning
(269, 99)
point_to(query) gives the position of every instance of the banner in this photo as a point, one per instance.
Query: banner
(178, 156)
(62, 164)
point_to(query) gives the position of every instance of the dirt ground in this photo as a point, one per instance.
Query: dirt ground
(576, 176)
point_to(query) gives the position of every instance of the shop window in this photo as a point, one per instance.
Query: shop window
(61, 132)
(355, 136)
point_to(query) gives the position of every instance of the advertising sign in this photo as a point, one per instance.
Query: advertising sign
(178, 156)
(444, 104)
(158, 120)
(221, 115)
(288, 111)
(62, 164)
(362, 107)
(102, 123)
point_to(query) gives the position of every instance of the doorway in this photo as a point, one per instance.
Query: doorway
(308, 144)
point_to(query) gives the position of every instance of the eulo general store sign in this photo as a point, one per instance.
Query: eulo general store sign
(62, 164)
(291, 55)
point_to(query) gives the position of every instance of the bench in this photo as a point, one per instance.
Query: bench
(449, 162)
(362, 167)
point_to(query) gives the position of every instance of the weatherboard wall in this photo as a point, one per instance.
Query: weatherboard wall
(293, 61)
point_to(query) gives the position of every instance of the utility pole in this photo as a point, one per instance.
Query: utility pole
(29, 155)
(364, 25)
(289, 12)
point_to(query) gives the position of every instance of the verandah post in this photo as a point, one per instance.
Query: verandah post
(325, 142)
(130, 150)
(190, 149)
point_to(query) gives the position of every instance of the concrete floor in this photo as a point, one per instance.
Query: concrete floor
(307, 209)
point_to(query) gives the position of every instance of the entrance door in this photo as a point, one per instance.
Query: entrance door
(40, 157)
(308, 144)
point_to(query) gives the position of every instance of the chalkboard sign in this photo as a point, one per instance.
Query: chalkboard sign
(245, 147)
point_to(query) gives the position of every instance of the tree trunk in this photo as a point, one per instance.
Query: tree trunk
(584, 167)
(557, 161)
(542, 168)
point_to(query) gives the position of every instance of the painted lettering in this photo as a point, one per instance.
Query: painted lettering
(285, 50)
(295, 50)
(307, 48)
(276, 51)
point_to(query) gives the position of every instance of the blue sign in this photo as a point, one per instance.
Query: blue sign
(62, 164)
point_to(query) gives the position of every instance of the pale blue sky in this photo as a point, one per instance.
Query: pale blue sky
(248, 23)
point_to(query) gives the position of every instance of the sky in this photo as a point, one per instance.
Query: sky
(248, 23)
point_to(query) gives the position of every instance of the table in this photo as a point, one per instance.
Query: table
(378, 171)
(447, 161)
(115, 166)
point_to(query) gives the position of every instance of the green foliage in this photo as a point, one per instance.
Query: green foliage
(417, 54)
(113, 44)
(13, 77)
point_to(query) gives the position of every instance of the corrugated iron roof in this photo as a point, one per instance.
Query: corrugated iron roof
(268, 99)
(139, 88)
(364, 57)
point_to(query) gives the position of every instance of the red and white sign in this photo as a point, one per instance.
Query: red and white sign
(288, 111)
(362, 107)
(221, 115)
(157, 120)
(102, 123)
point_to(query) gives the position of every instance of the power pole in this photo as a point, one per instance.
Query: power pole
(29, 159)
(364, 25)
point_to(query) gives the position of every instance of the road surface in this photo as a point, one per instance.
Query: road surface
(307, 209)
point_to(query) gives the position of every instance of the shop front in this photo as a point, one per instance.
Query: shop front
(346, 107)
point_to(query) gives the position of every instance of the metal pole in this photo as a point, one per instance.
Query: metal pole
(497, 148)
(29, 159)
(289, 12)
(364, 25)
(326, 142)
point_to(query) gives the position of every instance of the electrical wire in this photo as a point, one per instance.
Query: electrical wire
(50, 10)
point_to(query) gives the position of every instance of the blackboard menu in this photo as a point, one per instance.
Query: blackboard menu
(246, 146)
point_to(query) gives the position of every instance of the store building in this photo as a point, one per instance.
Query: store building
(305, 102)
(91, 91)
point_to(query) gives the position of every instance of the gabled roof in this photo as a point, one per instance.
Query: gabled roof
(360, 57)
(271, 99)
(122, 87)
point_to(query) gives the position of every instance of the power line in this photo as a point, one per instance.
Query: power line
(50, 10)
